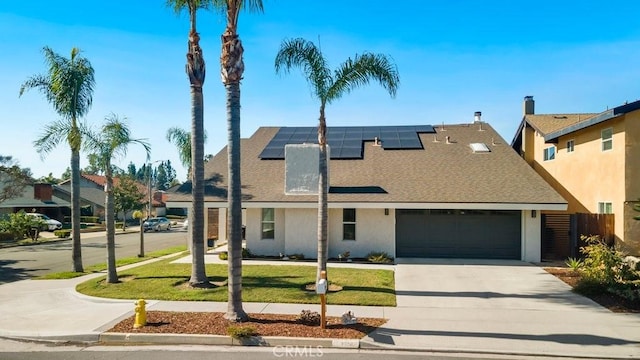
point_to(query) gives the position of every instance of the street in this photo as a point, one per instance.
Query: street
(24, 262)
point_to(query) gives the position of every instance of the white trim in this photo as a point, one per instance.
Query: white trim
(384, 205)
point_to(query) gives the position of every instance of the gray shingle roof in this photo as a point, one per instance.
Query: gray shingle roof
(439, 173)
(27, 200)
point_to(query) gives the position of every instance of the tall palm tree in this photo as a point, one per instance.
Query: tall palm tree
(68, 86)
(231, 70)
(328, 87)
(182, 141)
(109, 142)
(196, 70)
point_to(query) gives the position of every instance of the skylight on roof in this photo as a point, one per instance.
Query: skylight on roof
(479, 147)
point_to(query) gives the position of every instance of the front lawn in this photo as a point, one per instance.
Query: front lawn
(163, 280)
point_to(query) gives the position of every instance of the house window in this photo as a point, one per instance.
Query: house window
(268, 224)
(570, 146)
(607, 139)
(605, 208)
(550, 153)
(349, 224)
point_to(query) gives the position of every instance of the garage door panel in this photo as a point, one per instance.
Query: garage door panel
(458, 234)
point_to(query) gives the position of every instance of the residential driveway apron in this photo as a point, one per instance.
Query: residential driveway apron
(500, 307)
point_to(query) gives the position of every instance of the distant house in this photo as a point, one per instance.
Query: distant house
(38, 198)
(592, 160)
(92, 193)
(454, 191)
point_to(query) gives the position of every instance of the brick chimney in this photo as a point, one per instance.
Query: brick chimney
(42, 192)
(529, 105)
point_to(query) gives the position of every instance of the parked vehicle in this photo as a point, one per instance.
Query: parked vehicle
(157, 224)
(48, 224)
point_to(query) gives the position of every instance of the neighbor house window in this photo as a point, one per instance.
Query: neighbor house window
(607, 139)
(605, 208)
(268, 224)
(550, 153)
(570, 146)
(349, 224)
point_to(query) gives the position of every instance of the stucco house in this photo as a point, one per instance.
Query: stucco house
(592, 160)
(410, 191)
(37, 198)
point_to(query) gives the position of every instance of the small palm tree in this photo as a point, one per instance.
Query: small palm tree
(68, 86)
(196, 70)
(232, 70)
(182, 141)
(328, 87)
(109, 142)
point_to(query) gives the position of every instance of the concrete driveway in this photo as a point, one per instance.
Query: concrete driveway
(500, 306)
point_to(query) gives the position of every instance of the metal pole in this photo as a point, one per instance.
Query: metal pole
(149, 172)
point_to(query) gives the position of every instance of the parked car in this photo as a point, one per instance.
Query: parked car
(48, 224)
(157, 224)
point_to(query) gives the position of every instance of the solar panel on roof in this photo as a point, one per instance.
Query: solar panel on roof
(347, 142)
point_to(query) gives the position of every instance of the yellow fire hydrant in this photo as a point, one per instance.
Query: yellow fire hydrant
(141, 314)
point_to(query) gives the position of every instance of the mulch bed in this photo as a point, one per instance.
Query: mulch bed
(610, 301)
(213, 323)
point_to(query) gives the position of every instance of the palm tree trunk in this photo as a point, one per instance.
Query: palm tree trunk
(198, 274)
(196, 71)
(234, 304)
(76, 250)
(322, 195)
(112, 275)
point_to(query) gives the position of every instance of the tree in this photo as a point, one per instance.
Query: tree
(231, 71)
(49, 179)
(68, 86)
(66, 175)
(13, 178)
(182, 141)
(94, 167)
(328, 87)
(127, 195)
(165, 174)
(109, 142)
(196, 70)
(131, 170)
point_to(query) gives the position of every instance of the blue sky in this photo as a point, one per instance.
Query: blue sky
(454, 57)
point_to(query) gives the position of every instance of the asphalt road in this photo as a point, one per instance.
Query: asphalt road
(24, 262)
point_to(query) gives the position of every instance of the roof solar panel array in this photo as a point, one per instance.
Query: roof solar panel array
(347, 142)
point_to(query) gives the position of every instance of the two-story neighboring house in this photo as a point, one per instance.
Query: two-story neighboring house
(592, 160)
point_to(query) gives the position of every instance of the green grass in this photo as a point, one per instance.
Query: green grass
(260, 283)
(119, 262)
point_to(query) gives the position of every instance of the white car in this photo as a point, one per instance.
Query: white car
(49, 223)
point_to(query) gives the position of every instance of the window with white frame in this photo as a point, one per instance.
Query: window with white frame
(268, 224)
(605, 207)
(607, 139)
(550, 153)
(570, 146)
(349, 224)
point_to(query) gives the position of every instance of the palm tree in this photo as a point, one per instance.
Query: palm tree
(328, 87)
(68, 86)
(182, 141)
(195, 69)
(231, 70)
(111, 141)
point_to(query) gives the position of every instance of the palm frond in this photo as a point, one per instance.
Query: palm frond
(112, 140)
(52, 135)
(360, 71)
(182, 140)
(189, 5)
(303, 54)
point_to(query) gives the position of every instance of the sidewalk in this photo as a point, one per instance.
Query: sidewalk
(53, 310)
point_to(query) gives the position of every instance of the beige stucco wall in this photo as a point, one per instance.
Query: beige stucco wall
(587, 175)
(301, 232)
(531, 236)
(375, 231)
(631, 240)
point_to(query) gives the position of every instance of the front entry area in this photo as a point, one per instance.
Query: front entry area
(466, 234)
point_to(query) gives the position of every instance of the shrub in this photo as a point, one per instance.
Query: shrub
(296, 256)
(246, 253)
(62, 233)
(241, 332)
(308, 317)
(574, 264)
(6, 236)
(19, 224)
(223, 255)
(604, 269)
(89, 219)
(380, 257)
